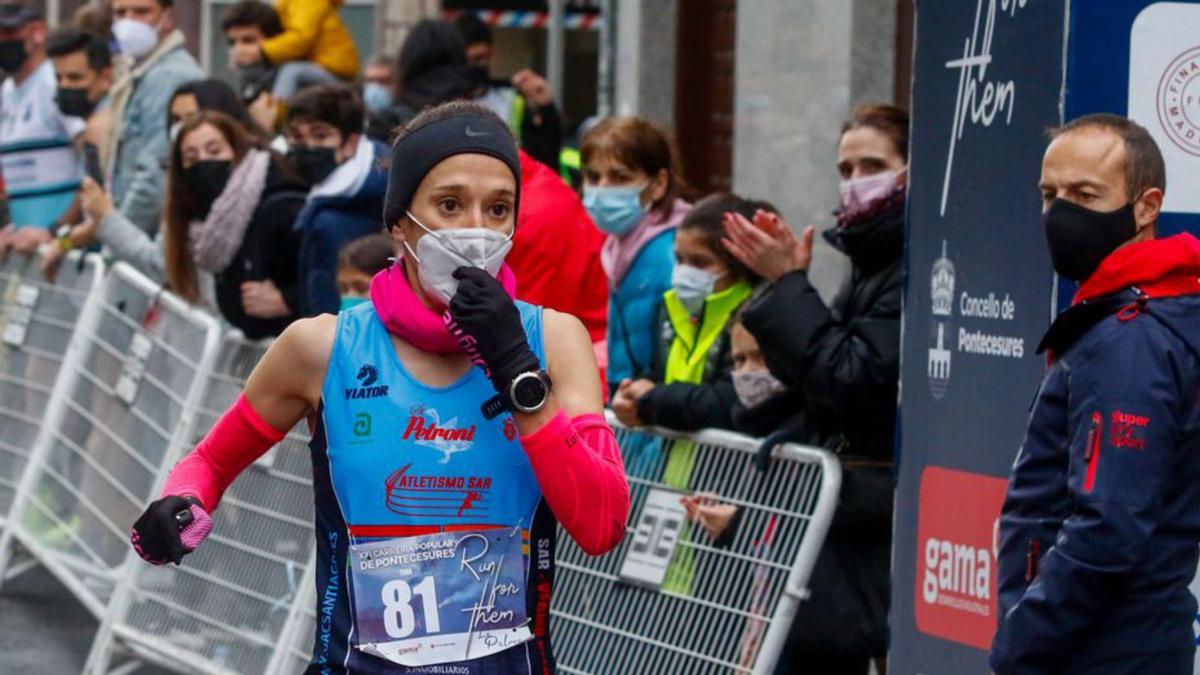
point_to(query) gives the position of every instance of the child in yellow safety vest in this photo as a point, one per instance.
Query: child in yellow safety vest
(693, 388)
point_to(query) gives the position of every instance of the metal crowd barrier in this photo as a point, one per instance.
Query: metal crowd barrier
(37, 321)
(228, 607)
(669, 599)
(115, 421)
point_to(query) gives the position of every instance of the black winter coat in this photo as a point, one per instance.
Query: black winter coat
(846, 365)
(269, 250)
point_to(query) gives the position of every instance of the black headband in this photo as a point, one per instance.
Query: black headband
(416, 154)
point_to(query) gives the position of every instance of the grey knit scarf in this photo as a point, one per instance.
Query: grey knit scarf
(217, 238)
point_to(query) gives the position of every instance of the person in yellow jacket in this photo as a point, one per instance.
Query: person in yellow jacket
(304, 41)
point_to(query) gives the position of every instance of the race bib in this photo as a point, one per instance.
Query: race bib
(440, 598)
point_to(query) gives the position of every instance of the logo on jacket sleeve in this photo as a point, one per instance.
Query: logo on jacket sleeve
(367, 376)
(1128, 430)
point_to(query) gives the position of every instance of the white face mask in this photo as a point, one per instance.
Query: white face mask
(693, 286)
(755, 387)
(439, 253)
(135, 38)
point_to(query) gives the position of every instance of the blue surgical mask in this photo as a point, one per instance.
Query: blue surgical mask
(693, 286)
(616, 210)
(350, 302)
(377, 97)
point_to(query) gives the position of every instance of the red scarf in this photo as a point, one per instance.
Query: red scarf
(1159, 268)
(405, 316)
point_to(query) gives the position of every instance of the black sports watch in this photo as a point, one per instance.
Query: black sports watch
(529, 391)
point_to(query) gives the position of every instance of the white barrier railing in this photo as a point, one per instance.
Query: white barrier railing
(717, 609)
(226, 608)
(117, 417)
(145, 377)
(37, 320)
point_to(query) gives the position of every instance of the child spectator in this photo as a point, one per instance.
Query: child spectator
(358, 263)
(692, 386)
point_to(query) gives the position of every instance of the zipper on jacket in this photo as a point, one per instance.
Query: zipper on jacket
(1032, 556)
(1092, 453)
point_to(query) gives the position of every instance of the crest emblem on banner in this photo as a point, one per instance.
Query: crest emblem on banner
(941, 291)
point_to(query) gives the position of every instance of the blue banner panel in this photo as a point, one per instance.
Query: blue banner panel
(988, 79)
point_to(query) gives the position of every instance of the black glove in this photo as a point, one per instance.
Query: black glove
(169, 529)
(488, 325)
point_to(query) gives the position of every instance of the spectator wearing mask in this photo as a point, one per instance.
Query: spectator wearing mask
(358, 263)
(845, 364)
(84, 72)
(138, 143)
(693, 387)
(124, 239)
(348, 174)
(314, 46)
(1098, 532)
(765, 409)
(632, 188)
(232, 207)
(37, 155)
(379, 84)
(431, 69)
(556, 250)
(524, 102)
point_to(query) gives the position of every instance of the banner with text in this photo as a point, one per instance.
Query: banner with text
(987, 84)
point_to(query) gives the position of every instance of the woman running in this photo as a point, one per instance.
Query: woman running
(454, 427)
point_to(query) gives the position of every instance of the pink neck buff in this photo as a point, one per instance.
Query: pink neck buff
(405, 316)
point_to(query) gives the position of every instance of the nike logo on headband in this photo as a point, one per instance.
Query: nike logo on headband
(471, 133)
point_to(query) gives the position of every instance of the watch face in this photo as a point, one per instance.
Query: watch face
(529, 392)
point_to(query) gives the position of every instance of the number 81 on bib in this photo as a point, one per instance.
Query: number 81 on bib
(440, 598)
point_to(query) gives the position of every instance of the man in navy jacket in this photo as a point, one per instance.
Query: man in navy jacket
(1099, 530)
(348, 174)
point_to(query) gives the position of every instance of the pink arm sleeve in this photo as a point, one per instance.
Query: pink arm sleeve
(578, 465)
(235, 441)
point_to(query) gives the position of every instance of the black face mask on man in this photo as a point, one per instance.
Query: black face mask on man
(12, 55)
(74, 102)
(1080, 238)
(207, 180)
(315, 164)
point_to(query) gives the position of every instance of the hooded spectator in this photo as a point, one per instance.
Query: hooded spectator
(348, 174)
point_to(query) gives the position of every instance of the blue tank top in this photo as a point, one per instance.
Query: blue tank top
(393, 457)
